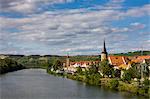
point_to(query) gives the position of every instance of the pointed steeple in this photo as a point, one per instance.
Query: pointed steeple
(67, 60)
(104, 51)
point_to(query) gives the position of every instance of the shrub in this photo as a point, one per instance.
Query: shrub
(122, 87)
(114, 84)
(141, 91)
(128, 87)
(93, 79)
(149, 91)
(126, 76)
(146, 82)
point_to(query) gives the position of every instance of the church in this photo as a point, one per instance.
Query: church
(118, 62)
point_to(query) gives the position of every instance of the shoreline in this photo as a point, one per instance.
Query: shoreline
(122, 86)
(104, 83)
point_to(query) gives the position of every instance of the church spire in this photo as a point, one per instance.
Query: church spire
(104, 48)
(67, 60)
(104, 52)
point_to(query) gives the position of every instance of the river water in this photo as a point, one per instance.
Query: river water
(37, 84)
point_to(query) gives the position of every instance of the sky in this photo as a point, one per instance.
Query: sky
(77, 27)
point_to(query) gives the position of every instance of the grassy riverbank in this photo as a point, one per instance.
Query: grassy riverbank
(110, 83)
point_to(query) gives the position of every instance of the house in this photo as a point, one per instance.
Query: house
(119, 62)
(84, 65)
(139, 59)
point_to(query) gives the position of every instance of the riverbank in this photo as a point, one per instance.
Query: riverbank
(9, 65)
(37, 84)
(109, 83)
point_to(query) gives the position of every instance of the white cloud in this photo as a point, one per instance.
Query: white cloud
(138, 11)
(137, 25)
(79, 30)
(27, 6)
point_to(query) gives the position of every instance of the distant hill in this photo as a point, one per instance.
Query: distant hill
(135, 53)
(79, 57)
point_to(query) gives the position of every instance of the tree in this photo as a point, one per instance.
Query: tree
(114, 84)
(106, 68)
(134, 71)
(79, 70)
(117, 73)
(57, 65)
(93, 69)
(126, 76)
(8, 65)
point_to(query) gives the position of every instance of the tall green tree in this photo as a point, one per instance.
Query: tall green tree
(93, 69)
(79, 70)
(106, 68)
(132, 72)
(126, 76)
(57, 65)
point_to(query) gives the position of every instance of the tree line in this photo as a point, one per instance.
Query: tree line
(9, 65)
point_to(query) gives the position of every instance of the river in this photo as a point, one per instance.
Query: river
(37, 84)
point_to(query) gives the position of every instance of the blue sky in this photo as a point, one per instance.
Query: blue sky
(74, 26)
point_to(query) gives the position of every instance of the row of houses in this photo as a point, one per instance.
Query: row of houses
(118, 62)
(84, 65)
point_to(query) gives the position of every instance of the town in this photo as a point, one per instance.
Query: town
(117, 72)
(120, 63)
(74, 49)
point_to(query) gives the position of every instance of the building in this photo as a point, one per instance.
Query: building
(104, 52)
(119, 62)
(84, 65)
(140, 59)
(67, 61)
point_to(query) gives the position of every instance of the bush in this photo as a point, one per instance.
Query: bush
(79, 78)
(114, 84)
(146, 82)
(122, 87)
(149, 91)
(132, 88)
(93, 79)
(141, 91)
(126, 76)
(128, 87)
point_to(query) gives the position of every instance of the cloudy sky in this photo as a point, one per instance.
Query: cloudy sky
(75, 26)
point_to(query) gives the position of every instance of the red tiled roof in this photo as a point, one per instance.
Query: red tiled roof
(139, 59)
(117, 60)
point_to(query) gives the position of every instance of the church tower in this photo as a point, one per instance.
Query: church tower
(67, 61)
(104, 52)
